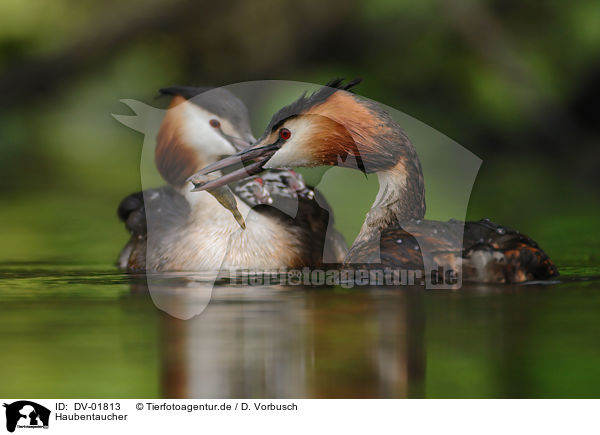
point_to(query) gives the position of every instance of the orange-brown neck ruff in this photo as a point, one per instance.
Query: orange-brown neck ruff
(349, 127)
(175, 161)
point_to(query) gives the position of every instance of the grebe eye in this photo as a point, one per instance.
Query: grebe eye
(285, 134)
(214, 123)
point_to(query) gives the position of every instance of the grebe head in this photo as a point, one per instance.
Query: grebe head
(331, 127)
(201, 126)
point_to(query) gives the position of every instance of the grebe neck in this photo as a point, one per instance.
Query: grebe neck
(401, 198)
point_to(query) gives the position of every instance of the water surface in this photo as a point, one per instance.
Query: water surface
(81, 331)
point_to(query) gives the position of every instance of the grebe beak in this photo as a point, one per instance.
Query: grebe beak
(255, 157)
(238, 143)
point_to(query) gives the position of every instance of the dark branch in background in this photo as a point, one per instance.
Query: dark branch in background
(553, 128)
(210, 34)
(230, 41)
(215, 43)
(36, 78)
(486, 36)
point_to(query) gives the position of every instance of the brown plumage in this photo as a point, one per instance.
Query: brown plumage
(483, 251)
(175, 160)
(174, 229)
(335, 127)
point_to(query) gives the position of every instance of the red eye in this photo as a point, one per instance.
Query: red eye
(285, 134)
(214, 123)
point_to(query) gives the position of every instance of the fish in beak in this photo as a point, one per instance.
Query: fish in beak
(224, 195)
(253, 158)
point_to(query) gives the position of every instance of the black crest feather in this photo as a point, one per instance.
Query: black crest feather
(305, 102)
(187, 92)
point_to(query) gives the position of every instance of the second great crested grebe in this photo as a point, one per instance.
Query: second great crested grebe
(173, 229)
(334, 127)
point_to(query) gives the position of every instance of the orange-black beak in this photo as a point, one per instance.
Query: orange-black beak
(253, 158)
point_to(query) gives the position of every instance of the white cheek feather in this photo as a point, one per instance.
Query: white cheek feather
(288, 156)
(296, 151)
(198, 133)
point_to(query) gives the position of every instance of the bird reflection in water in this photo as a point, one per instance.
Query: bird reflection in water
(278, 342)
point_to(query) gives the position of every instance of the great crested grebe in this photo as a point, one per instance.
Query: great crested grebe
(175, 230)
(334, 127)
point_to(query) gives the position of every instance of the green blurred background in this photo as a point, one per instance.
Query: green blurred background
(517, 83)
